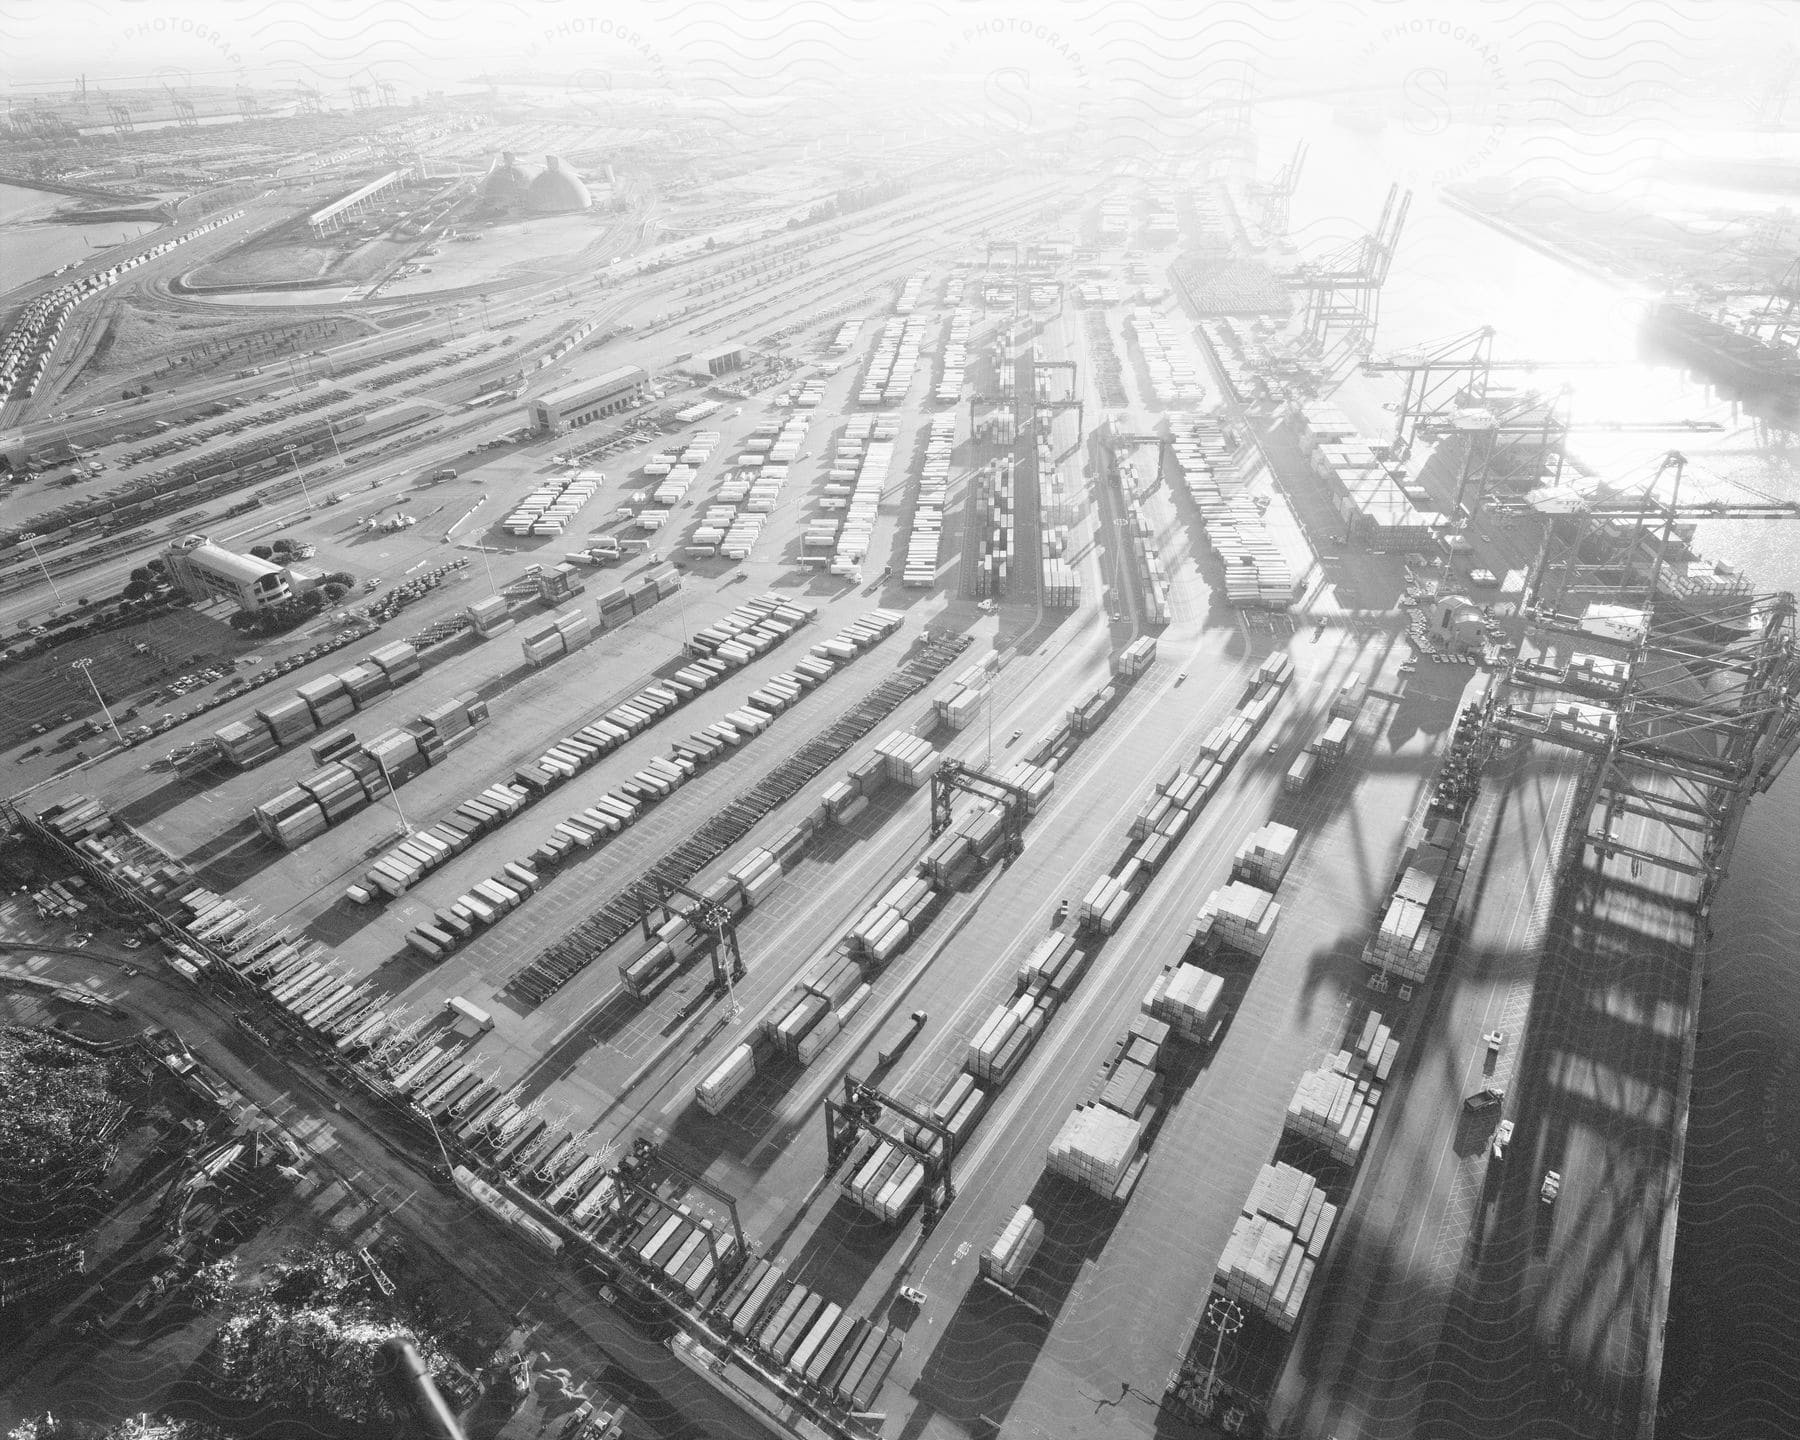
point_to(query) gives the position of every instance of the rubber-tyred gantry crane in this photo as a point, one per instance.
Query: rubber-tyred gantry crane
(709, 918)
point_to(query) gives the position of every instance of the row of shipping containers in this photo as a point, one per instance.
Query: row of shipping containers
(1148, 566)
(828, 993)
(749, 879)
(1100, 1145)
(834, 986)
(552, 507)
(361, 774)
(402, 867)
(956, 354)
(614, 607)
(827, 1352)
(317, 705)
(994, 501)
(894, 361)
(482, 905)
(924, 542)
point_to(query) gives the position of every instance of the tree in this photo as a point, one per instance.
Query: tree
(334, 593)
(142, 576)
(262, 552)
(340, 577)
(137, 589)
(159, 565)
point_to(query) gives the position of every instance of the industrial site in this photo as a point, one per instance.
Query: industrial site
(711, 752)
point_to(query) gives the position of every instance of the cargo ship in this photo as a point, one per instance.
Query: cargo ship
(1721, 352)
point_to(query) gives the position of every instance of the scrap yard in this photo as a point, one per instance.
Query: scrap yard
(911, 806)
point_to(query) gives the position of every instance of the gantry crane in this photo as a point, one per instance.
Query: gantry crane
(1509, 437)
(1344, 290)
(1778, 322)
(707, 916)
(1277, 193)
(186, 118)
(1615, 545)
(1707, 712)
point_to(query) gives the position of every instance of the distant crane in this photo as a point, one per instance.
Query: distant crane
(248, 105)
(1278, 192)
(359, 97)
(121, 119)
(186, 118)
(311, 102)
(1778, 322)
(389, 96)
(1344, 290)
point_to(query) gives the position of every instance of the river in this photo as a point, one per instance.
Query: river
(1733, 1332)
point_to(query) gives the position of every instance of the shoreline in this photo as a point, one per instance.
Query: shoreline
(1532, 240)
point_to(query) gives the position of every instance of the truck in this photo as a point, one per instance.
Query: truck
(448, 472)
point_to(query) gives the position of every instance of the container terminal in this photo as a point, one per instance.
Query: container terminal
(1077, 831)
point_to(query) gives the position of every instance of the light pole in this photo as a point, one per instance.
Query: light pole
(382, 766)
(31, 540)
(492, 587)
(292, 452)
(1227, 1318)
(86, 668)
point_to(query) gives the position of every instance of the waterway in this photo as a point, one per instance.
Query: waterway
(1734, 1330)
(32, 245)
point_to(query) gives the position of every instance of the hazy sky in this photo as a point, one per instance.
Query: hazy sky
(1163, 48)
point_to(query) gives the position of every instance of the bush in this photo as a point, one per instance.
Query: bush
(334, 593)
(262, 552)
(340, 577)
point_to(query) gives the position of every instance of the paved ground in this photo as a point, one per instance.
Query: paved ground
(1360, 1359)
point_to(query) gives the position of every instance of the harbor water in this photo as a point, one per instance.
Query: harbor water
(1733, 1333)
(33, 244)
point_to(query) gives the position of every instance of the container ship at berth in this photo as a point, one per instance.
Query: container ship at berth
(1721, 352)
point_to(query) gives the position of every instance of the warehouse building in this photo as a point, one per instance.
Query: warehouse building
(720, 361)
(202, 570)
(581, 402)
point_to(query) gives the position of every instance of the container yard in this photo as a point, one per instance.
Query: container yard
(791, 753)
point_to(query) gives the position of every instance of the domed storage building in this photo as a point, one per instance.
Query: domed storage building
(557, 190)
(506, 182)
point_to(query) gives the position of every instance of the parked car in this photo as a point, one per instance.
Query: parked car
(1551, 1188)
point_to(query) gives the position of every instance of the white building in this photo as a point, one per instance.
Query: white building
(202, 570)
(581, 402)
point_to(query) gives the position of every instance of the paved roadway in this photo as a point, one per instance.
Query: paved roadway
(1566, 1297)
(1360, 1360)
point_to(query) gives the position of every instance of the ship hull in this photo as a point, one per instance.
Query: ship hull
(1721, 353)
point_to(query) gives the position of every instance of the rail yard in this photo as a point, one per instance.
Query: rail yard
(914, 816)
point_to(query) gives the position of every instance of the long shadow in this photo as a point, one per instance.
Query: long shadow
(233, 856)
(991, 1344)
(1509, 1359)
